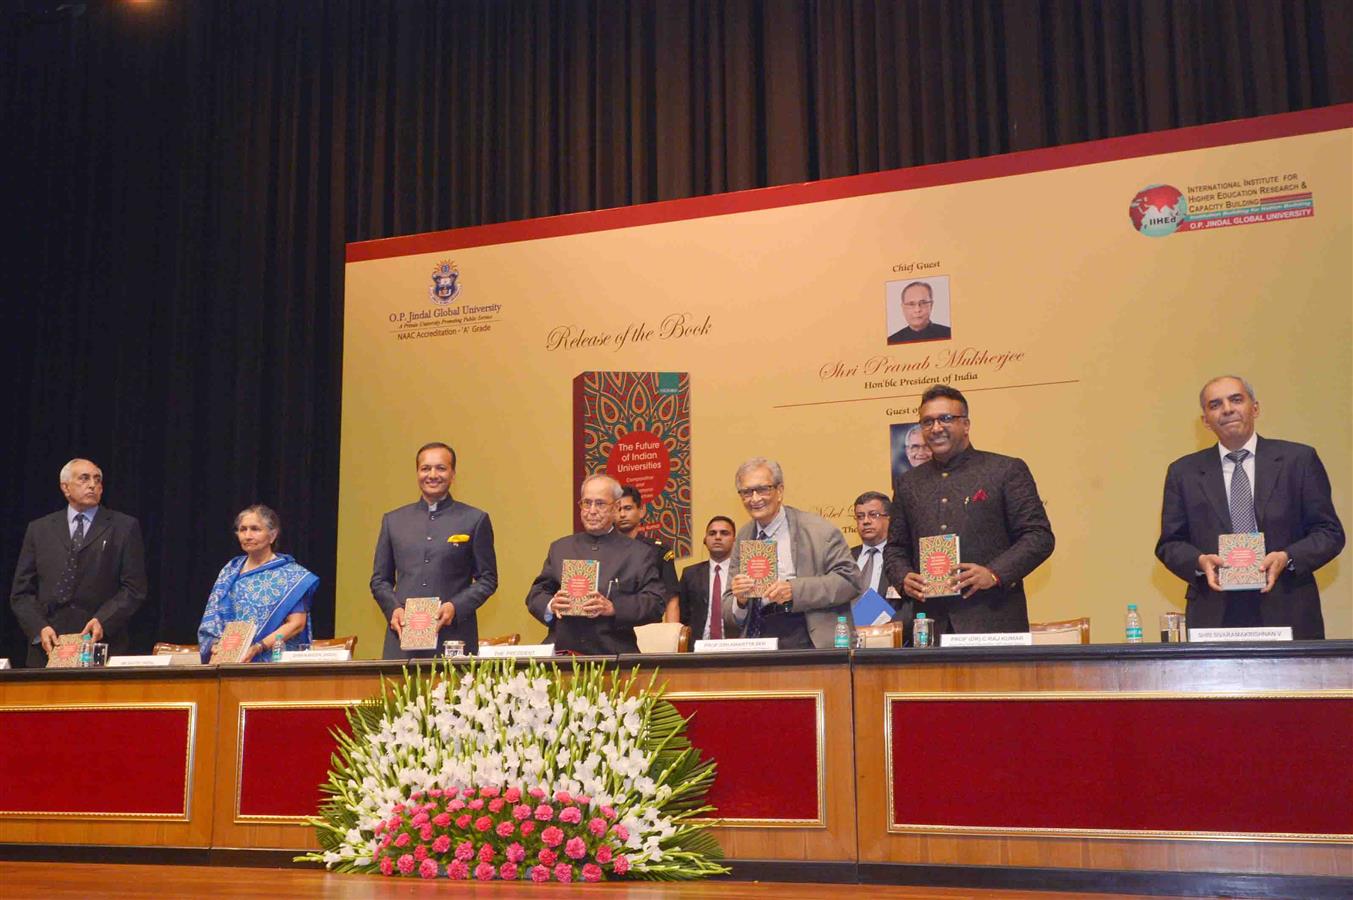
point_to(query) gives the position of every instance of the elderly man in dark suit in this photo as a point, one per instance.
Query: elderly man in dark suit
(1243, 484)
(702, 584)
(82, 569)
(435, 547)
(990, 501)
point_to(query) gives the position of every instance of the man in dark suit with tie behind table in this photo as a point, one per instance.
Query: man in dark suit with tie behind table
(703, 583)
(82, 569)
(1248, 483)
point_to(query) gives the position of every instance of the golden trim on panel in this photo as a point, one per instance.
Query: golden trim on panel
(188, 767)
(239, 752)
(1011, 831)
(819, 699)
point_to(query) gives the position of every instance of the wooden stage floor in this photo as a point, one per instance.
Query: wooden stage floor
(56, 881)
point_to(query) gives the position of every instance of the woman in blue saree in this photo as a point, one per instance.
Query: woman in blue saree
(264, 587)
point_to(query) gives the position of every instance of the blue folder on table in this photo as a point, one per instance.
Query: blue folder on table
(872, 609)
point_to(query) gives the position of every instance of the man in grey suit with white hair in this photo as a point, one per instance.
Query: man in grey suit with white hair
(817, 578)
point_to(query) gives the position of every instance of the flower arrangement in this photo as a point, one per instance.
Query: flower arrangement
(493, 770)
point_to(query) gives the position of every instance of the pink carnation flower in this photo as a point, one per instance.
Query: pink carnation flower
(570, 815)
(621, 865)
(468, 792)
(403, 839)
(597, 827)
(563, 797)
(425, 832)
(435, 793)
(563, 873)
(380, 826)
(538, 793)
(399, 808)
(490, 791)
(483, 823)
(497, 804)
(458, 870)
(450, 792)
(604, 854)
(464, 851)
(540, 874)
(416, 797)
(582, 800)
(420, 852)
(547, 857)
(508, 871)
(442, 820)
(505, 829)
(544, 812)
(442, 844)
(475, 804)
(387, 866)
(486, 853)
(405, 864)
(515, 852)
(455, 806)
(512, 795)
(576, 848)
(485, 872)
(591, 872)
(608, 812)
(552, 836)
(385, 841)
(419, 820)
(463, 821)
(428, 868)
(622, 832)
(528, 827)
(521, 811)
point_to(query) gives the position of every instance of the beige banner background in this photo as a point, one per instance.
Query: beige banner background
(1098, 337)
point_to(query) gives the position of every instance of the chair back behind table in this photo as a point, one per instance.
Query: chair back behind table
(1066, 631)
(885, 636)
(663, 637)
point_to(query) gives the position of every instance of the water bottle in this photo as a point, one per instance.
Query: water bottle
(86, 650)
(1134, 625)
(278, 645)
(920, 632)
(842, 641)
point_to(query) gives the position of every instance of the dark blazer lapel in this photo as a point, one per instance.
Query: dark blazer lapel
(1268, 462)
(60, 529)
(99, 530)
(1214, 486)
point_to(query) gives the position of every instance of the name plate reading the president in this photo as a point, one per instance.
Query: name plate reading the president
(738, 645)
(500, 651)
(324, 654)
(990, 639)
(1233, 635)
(119, 662)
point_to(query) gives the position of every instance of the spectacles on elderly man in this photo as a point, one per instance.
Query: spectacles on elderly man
(757, 490)
(590, 503)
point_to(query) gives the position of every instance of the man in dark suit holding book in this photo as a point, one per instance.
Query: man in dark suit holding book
(990, 501)
(703, 583)
(1248, 483)
(81, 569)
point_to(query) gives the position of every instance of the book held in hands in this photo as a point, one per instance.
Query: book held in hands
(578, 578)
(235, 642)
(939, 560)
(1242, 557)
(420, 623)
(759, 561)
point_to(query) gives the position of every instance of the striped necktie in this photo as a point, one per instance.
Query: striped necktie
(1242, 497)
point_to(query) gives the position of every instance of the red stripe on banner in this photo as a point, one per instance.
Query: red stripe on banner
(284, 758)
(766, 753)
(1273, 215)
(1240, 131)
(128, 762)
(1262, 766)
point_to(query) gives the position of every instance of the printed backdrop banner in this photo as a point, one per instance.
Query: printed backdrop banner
(1079, 296)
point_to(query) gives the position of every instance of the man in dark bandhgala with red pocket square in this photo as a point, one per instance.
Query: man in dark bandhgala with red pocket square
(1243, 484)
(990, 501)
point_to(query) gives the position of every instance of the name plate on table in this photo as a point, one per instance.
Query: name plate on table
(500, 651)
(1275, 633)
(738, 645)
(991, 639)
(325, 654)
(118, 662)
(4, 663)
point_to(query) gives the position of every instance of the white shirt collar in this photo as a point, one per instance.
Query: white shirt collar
(1249, 445)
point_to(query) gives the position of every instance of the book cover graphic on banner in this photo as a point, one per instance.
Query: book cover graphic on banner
(65, 653)
(577, 580)
(234, 643)
(1242, 556)
(420, 623)
(759, 561)
(636, 427)
(939, 564)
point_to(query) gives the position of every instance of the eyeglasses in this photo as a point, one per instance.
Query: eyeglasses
(757, 490)
(873, 515)
(922, 304)
(946, 420)
(594, 504)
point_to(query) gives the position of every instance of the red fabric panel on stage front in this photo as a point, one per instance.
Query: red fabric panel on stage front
(766, 754)
(1246, 765)
(83, 761)
(285, 758)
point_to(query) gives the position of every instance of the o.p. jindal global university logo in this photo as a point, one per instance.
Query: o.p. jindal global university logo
(1158, 210)
(445, 283)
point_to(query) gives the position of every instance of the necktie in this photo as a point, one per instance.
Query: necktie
(868, 571)
(716, 608)
(1242, 497)
(66, 587)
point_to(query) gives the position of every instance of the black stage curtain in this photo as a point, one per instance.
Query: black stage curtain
(180, 179)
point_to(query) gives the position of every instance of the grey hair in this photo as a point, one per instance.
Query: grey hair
(266, 513)
(65, 476)
(616, 489)
(910, 431)
(777, 475)
(1249, 389)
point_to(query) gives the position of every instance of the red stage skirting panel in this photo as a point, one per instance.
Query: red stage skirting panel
(284, 758)
(121, 762)
(766, 751)
(1258, 766)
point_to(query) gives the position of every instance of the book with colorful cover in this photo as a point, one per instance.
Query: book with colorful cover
(234, 644)
(759, 561)
(578, 579)
(636, 427)
(66, 652)
(1242, 557)
(938, 558)
(419, 631)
